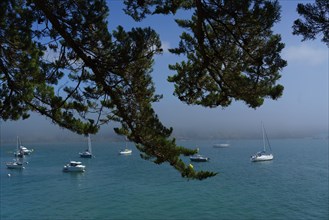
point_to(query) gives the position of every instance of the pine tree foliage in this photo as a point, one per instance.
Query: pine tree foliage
(231, 51)
(316, 21)
(59, 59)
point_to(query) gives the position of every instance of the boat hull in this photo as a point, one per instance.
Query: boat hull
(82, 155)
(125, 152)
(260, 158)
(15, 166)
(74, 169)
(221, 145)
(74, 166)
(199, 158)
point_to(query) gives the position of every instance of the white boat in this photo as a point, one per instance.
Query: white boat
(74, 166)
(263, 155)
(15, 165)
(25, 150)
(19, 151)
(199, 158)
(88, 152)
(223, 145)
(126, 151)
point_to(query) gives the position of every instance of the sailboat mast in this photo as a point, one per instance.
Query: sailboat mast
(263, 136)
(89, 143)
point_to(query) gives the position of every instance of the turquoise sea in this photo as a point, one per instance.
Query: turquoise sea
(292, 186)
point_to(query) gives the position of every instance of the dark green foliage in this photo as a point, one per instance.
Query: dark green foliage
(316, 21)
(231, 54)
(230, 49)
(59, 59)
(28, 78)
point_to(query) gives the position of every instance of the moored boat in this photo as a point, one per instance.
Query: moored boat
(222, 145)
(74, 166)
(22, 150)
(25, 151)
(199, 158)
(263, 155)
(88, 152)
(15, 165)
(19, 150)
(125, 152)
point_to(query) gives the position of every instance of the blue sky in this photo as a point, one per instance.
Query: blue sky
(301, 111)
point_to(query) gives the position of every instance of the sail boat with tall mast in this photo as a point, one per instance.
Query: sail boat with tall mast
(18, 161)
(88, 152)
(19, 151)
(126, 151)
(16, 164)
(263, 155)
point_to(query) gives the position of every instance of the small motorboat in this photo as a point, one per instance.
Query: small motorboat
(74, 166)
(25, 151)
(125, 152)
(223, 145)
(199, 158)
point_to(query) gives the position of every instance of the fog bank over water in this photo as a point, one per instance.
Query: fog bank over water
(198, 123)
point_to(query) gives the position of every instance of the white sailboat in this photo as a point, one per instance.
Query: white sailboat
(21, 149)
(126, 151)
(88, 152)
(263, 155)
(16, 164)
(19, 152)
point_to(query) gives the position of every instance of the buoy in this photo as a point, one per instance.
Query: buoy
(190, 165)
(9, 175)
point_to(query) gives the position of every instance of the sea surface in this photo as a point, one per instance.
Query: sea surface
(292, 186)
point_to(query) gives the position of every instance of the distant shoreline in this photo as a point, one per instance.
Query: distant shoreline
(77, 139)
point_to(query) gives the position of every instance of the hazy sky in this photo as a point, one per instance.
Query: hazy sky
(301, 111)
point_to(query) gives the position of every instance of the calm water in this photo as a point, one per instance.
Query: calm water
(292, 186)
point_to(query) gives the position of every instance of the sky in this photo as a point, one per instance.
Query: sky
(302, 111)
